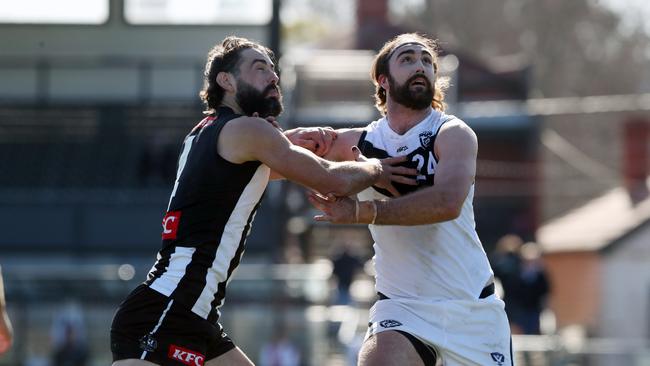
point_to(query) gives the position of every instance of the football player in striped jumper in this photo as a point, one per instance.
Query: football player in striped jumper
(224, 166)
(436, 303)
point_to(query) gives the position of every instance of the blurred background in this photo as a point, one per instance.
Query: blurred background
(97, 95)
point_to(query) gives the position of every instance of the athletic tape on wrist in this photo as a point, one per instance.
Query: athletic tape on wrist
(374, 212)
(356, 211)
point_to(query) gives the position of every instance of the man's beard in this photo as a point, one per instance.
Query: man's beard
(251, 100)
(417, 99)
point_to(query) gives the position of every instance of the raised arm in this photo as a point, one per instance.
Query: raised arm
(253, 139)
(456, 147)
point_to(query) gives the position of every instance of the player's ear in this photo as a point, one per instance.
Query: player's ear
(226, 81)
(383, 81)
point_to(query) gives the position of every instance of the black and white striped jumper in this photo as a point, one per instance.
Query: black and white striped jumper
(210, 213)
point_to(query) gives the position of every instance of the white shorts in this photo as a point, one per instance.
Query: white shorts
(463, 332)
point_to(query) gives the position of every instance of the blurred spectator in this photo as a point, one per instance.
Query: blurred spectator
(6, 332)
(279, 351)
(525, 284)
(72, 351)
(506, 265)
(532, 291)
(345, 267)
(68, 338)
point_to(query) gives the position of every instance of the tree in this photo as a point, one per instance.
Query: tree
(576, 47)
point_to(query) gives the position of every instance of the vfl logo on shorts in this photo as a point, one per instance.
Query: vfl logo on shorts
(497, 357)
(186, 356)
(148, 343)
(390, 323)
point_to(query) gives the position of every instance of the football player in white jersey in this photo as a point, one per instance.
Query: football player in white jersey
(436, 304)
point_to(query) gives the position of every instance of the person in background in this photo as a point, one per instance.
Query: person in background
(279, 351)
(69, 337)
(532, 291)
(345, 266)
(506, 263)
(6, 331)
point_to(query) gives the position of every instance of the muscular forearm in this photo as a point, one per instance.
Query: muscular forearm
(426, 206)
(354, 176)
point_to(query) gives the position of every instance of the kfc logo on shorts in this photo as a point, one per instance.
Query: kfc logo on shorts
(170, 224)
(186, 356)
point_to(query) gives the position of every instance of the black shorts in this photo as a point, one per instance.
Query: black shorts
(151, 326)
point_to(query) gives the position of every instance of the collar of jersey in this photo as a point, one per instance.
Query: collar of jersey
(413, 130)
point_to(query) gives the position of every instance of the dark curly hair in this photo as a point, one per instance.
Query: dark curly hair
(380, 67)
(224, 57)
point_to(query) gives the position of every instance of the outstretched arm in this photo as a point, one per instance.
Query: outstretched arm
(456, 146)
(318, 140)
(253, 139)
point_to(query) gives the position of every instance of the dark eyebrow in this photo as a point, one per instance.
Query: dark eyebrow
(260, 60)
(404, 52)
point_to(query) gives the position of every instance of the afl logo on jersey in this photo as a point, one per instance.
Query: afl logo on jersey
(425, 139)
(170, 224)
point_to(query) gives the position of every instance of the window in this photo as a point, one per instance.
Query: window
(54, 12)
(198, 12)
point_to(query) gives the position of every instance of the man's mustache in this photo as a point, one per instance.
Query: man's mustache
(419, 76)
(271, 88)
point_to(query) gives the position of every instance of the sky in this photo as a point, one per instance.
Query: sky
(633, 12)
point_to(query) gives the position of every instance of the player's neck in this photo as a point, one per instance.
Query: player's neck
(229, 101)
(401, 119)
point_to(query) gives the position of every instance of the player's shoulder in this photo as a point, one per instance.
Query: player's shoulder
(450, 122)
(375, 129)
(249, 134)
(376, 125)
(456, 131)
(249, 126)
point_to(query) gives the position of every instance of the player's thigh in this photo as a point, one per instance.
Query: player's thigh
(133, 362)
(389, 348)
(234, 357)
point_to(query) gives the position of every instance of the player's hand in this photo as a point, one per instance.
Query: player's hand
(391, 172)
(315, 139)
(269, 119)
(337, 210)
